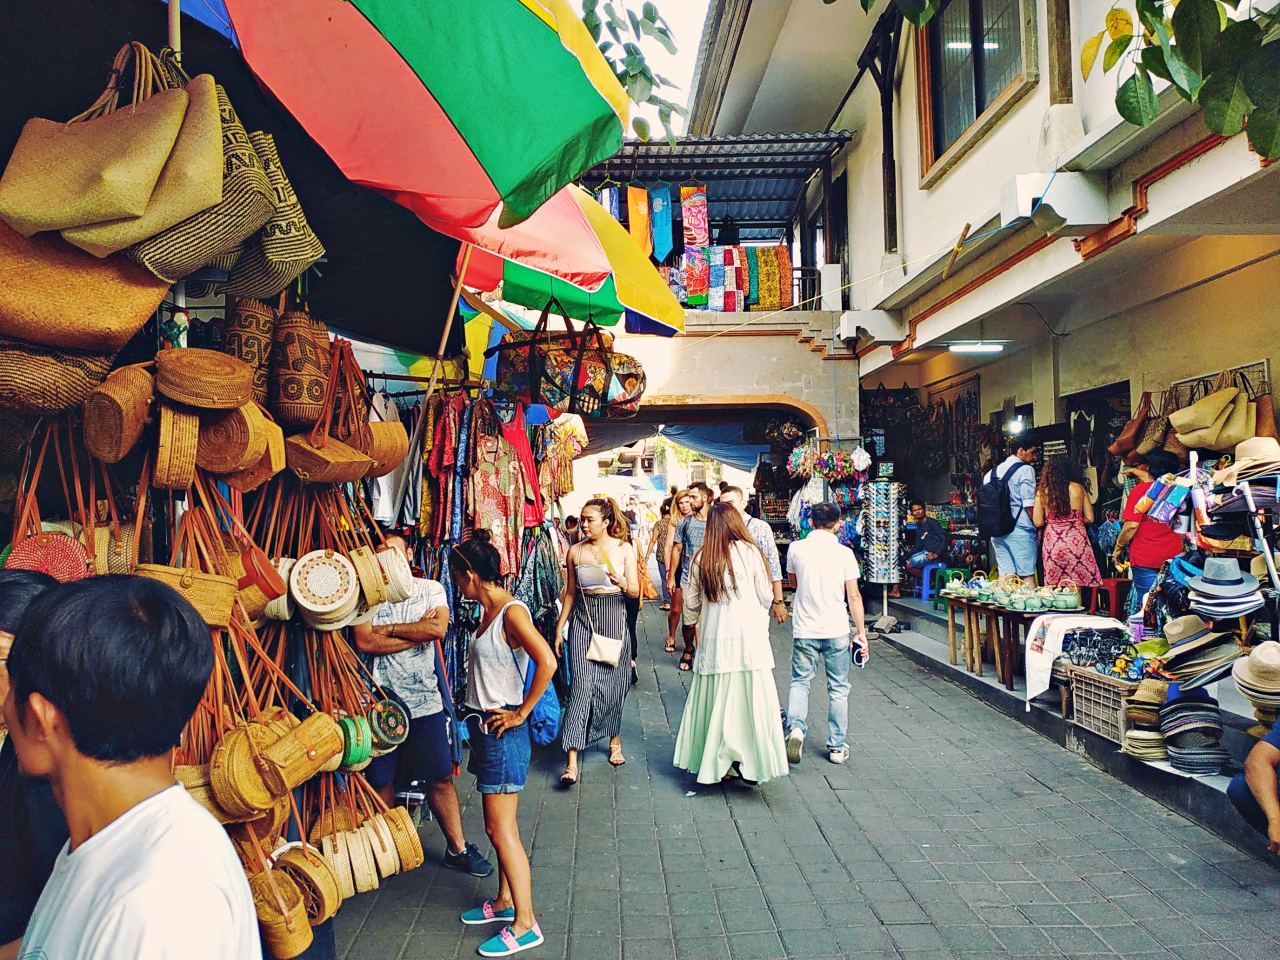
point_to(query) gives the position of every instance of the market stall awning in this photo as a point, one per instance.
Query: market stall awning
(613, 278)
(757, 180)
(422, 100)
(719, 441)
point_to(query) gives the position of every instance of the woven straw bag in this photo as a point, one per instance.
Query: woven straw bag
(179, 437)
(204, 378)
(334, 850)
(212, 594)
(389, 445)
(303, 751)
(195, 779)
(389, 724)
(398, 573)
(378, 836)
(102, 165)
(191, 180)
(373, 582)
(60, 556)
(281, 608)
(246, 204)
(237, 775)
(116, 413)
(231, 441)
(53, 294)
(357, 741)
(311, 871)
(15, 432)
(285, 246)
(298, 372)
(332, 820)
(331, 462)
(47, 380)
(364, 870)
(247, 335)
(405, 836)
(282, 914)
(323, 582)
(268, 465)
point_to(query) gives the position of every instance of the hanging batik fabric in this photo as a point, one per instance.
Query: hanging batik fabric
(638, 218)
(497, 486)
(660, 217)
(697, 279)
(784, 276)
(607, 197)
(753, 275)
(693, 207)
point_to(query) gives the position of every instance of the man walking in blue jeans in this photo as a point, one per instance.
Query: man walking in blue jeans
(824, 573)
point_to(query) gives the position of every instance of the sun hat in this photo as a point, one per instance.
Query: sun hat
(1150, 691)
(1258, 565)
(1265, 495)
(1254, 457)
(1216, 609)
(1189, 633)
(1260, 670)
(1223, 577)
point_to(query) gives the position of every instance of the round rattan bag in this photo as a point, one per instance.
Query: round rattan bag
(233, 440)
(60, 556)
(398, 574)
(116, 413)
(382, 845)
(282, 913)
(315, 877)
(204, 378)
(176, 449)
(405, 836)
(334, 849)
(363, 869)
(323, 582)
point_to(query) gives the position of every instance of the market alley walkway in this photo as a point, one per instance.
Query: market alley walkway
(952, 832)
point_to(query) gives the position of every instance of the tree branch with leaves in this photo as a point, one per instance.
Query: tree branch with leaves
(619, 32)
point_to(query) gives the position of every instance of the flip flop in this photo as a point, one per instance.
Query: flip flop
(686, 661)
(664, 606)
(669, 648)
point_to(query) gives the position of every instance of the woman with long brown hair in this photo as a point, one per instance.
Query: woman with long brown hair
(730, 724)
(1062, 509)
(599, 573)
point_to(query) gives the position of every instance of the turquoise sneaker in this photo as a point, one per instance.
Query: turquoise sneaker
(506, 942)
(486, 914)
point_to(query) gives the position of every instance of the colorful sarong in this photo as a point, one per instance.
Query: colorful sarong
(697, 278)
(660, 216)
(753, 275)
(769, 297)
(784, 276)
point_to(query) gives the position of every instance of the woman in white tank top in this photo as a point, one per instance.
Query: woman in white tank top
(504, 647)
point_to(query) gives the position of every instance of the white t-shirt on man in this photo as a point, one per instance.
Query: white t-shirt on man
(161, 882)
(822, 565)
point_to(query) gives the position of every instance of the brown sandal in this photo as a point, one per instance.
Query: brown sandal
(670, 647)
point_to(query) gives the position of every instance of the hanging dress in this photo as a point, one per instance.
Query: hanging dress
(596, 690)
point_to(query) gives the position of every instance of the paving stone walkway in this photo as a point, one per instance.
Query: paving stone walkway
(952, 832)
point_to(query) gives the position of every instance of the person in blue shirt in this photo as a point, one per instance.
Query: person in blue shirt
(1018, 552)
(1256, 792)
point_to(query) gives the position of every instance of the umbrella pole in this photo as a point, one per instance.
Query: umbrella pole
(448, 322)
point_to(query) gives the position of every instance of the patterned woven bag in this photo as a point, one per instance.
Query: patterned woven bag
(285, 246)
(298, 381)
(43, 380)
(116, 413)
(247, 335)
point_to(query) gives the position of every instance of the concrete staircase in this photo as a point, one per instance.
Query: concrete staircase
(819, 329)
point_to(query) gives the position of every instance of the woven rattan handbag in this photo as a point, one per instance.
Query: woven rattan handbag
(363, 869)
(298, 375)
(204, 378)
(325, 589)
(247, 334)
(309, 869)
(117, 411)
(62, 555)
(53, 294)
(210, 593)
(101, 165)
(304, 750)
(382, 846)
(47, 380)
(268, 465)
(246, 204)
(236, 773)
(195, 779)
(191, 180)
(233, 440)
(319, 458)
(405, 836)
(285, 246)
(334, 849)
(176, 445)
(282, 913)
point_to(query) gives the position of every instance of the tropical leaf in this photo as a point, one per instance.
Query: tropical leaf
(1119, 23)
(1223, 97)
(1264, 131)
(1115, 50)
(1136, 98)
(1197, 25)
(919, 12)
(1151, 13)
(1089, 53)
(1153, 60)
(1262, 77)
(641, 127)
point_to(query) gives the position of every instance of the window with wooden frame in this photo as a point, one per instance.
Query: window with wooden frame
(975, 59)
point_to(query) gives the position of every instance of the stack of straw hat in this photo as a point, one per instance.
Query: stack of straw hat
(1143, 738)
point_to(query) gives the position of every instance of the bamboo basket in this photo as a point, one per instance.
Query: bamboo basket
(364, 871)
(195, 780)
(267, 466)
(238, 778)
(388, 447)
(382, 845)
(373, 582)
(334, 462)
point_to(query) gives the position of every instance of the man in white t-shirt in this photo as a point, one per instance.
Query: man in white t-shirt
(825, 575)
(104, 674)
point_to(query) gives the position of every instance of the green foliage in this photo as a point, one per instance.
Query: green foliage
(619, 31)
(1228, 67)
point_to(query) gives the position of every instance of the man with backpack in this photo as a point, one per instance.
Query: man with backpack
(1005, 501)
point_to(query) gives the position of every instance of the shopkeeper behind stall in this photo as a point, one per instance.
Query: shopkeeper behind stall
(931, 539)
(1150, 542)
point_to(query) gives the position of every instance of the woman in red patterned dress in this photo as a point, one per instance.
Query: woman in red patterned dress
(1062, 510)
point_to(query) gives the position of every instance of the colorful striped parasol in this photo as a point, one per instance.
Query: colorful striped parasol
(445, 107)
(586, 244)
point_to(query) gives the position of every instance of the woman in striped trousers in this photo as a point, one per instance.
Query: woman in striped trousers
(599, 572)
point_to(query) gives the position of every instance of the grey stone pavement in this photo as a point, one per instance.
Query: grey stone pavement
(953, 831)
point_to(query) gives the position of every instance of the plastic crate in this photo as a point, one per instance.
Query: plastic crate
(1096, 702)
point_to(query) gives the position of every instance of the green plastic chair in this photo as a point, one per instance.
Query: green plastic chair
(940, 578)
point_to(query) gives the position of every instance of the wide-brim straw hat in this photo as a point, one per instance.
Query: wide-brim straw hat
(1189, 633)
(1255, 457)
(1223, 578)
(1260, 670)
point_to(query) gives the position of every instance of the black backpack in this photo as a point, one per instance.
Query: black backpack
(995, 511)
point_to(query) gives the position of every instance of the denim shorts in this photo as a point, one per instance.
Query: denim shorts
(500, 764)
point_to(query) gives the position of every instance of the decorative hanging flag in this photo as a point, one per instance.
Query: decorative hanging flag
(693, 206)
(638, 217)
(697, 277)
(607, 197)
(660, 210)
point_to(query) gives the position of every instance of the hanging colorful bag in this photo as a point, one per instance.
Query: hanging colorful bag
(1132, 432)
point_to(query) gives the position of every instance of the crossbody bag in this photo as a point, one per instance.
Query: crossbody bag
(601, 649)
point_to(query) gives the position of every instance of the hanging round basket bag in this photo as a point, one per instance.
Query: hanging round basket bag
(304, 750)
(398, 574)
(196, 780)
(282, 914)
(205, 379)
(382, 846)
(247, 336)
(357, 741)
(179, 438)
(324, 583)
(363, 869)
(265, 467)
(373, 582)
(405, 836)
(388, 446)
(60, 555)
(307, 867)
(332, 820)
(231, 441)
(237, 778)
(389, 723)
(299, 372)
(281, 608)
(116, 413)
(333, 847)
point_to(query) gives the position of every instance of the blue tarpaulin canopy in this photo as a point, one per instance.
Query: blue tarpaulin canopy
(719, 441)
